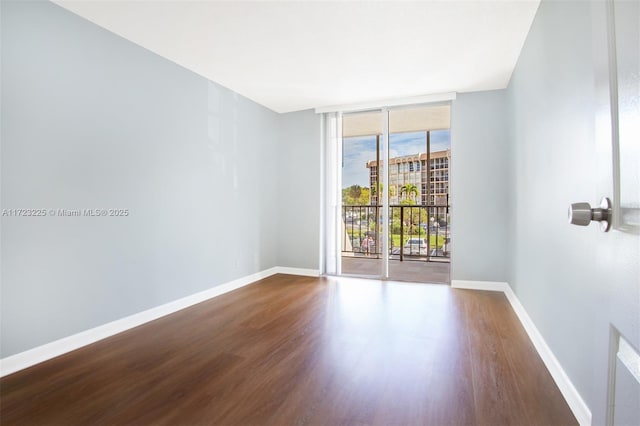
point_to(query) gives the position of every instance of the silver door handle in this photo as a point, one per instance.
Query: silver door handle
(582, 214)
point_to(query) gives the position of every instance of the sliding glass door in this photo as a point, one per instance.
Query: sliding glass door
(395, 194)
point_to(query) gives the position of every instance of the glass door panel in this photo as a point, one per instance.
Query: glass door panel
(361, 187)
(419, 224)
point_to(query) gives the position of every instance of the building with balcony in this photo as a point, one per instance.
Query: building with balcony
(432, 185)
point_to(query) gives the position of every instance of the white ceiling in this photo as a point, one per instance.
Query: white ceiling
(291, 56)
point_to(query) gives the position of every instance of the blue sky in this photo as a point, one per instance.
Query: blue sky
(358, 150)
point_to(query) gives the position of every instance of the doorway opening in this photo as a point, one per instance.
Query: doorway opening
(395, 194)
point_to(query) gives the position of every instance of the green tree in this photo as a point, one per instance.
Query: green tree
(346, 198)
(410, 190)
(351, 195)
(392, 191)
(355, 191)
(356, 195)
(364, 198)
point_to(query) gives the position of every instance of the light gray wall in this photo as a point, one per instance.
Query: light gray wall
(90, 120)
(479, 187)
(521, 156)
(562, 273)
(299, 190)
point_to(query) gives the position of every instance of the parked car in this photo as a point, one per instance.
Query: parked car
(415, 246)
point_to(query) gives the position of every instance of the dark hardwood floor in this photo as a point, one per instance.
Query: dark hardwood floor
(302, 351)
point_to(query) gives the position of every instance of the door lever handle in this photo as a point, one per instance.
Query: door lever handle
(582, 214)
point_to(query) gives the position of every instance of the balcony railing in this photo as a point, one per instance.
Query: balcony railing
(419, 232)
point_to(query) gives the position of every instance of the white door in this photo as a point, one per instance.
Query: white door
(621, 248)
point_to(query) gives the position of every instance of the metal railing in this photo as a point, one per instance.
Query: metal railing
(416, 232)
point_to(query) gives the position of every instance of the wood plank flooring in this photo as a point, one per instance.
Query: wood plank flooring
(303, 351)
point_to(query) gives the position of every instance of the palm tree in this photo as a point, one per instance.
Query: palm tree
(409, 189)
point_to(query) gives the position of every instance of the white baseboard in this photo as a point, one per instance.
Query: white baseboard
(480, 285)
(569, 392)
(59, 347)
(298, 271)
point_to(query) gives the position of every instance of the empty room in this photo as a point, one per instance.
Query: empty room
(320, 212)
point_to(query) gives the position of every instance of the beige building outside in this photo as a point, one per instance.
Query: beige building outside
(411, 169)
